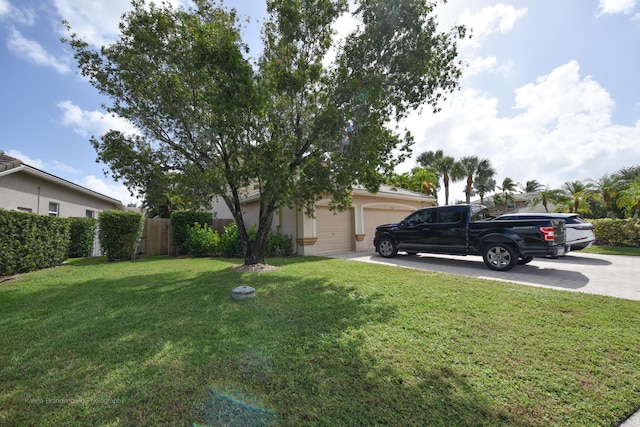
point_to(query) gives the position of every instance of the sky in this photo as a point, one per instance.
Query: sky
(550, 89)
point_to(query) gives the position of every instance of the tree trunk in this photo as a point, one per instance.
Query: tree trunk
(446, 189)
(254, 254)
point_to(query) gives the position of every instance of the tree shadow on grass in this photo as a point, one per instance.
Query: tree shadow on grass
(147, 349)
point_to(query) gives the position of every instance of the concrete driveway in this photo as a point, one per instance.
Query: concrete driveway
(612, 275)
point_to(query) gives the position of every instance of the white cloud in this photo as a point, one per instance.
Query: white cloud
(87, 123)
(562, 131)
(114, 190)
(59, 166)
(36, 163)
(5, 8)
(499, 18)
(616, 6)
(33, 52)
(96, 21)
(479, 65)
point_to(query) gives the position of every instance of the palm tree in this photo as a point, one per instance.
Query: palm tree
(547, 196)
(421, 180)
(424, 180)
(402, 180)
(502, 199)
(608, 188)
(579, 193)
(532, 186)
(482, 186)
(428, 158)
(508, 185)
(629, 198)
(472, 167)
(445, 167)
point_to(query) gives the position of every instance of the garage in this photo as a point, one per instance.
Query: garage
(335, 232)
(375, 217)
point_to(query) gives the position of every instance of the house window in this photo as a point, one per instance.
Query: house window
(54, 209)
(89, 214)
(27, 210)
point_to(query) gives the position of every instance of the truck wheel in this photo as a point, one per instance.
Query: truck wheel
(525, 260)
(387, 248)
(499, 257)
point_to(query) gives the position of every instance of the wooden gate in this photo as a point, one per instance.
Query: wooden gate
(156, 239)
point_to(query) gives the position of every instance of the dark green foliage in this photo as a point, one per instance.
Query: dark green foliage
(30, 242)
(278, 244)
(617, 232)
(182, 220)
(230, 242)
(82, 233)
(202, 240)
(120, 233)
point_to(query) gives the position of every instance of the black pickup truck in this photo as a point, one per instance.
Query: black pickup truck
(468, 230)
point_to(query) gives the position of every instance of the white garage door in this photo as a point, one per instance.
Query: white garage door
(335, 232)
(376, 217)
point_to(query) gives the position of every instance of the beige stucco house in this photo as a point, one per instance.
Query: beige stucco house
(27, 189)
(327, 232)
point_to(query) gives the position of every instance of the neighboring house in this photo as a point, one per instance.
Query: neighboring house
(27, 189)
(328, 233)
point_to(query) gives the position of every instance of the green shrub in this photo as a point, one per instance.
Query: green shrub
(120, 233)
(230, 241)
(278, 244)
(182, 220)
(31, 242)
(617, 232)
(202, 240)
(82, 233)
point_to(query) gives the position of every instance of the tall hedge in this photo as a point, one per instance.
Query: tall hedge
(182, 220)
(31, 242)
(617, 232)
(120, 233)
(82, 233)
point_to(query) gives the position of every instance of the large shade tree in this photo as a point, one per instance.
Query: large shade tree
(294, 126)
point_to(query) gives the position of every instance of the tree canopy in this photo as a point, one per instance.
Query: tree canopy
(294, 126)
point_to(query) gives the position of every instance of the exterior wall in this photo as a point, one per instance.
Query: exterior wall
(22, 191)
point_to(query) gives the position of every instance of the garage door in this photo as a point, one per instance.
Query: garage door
(376, 217)
(335, 232)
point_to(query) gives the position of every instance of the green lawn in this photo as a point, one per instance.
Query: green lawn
(613, 250)
(326, 342)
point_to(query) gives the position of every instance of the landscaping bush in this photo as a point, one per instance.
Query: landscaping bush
(182, 220)
(31, 242)
(230, 242)
(82, 233)
(120, 233)
(617, 232)
(278, 244)
(202, 240)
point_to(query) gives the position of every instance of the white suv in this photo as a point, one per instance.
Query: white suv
(580, 233)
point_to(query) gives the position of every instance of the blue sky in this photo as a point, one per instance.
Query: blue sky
(550, 92)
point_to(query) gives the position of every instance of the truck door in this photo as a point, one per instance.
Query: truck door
(449, 232)
(414, 233)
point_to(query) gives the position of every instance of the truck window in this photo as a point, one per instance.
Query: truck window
(419, 217)
(479, 213)
(451, 214)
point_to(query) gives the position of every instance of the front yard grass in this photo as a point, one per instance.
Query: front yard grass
(325, 342)
(613, 250)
